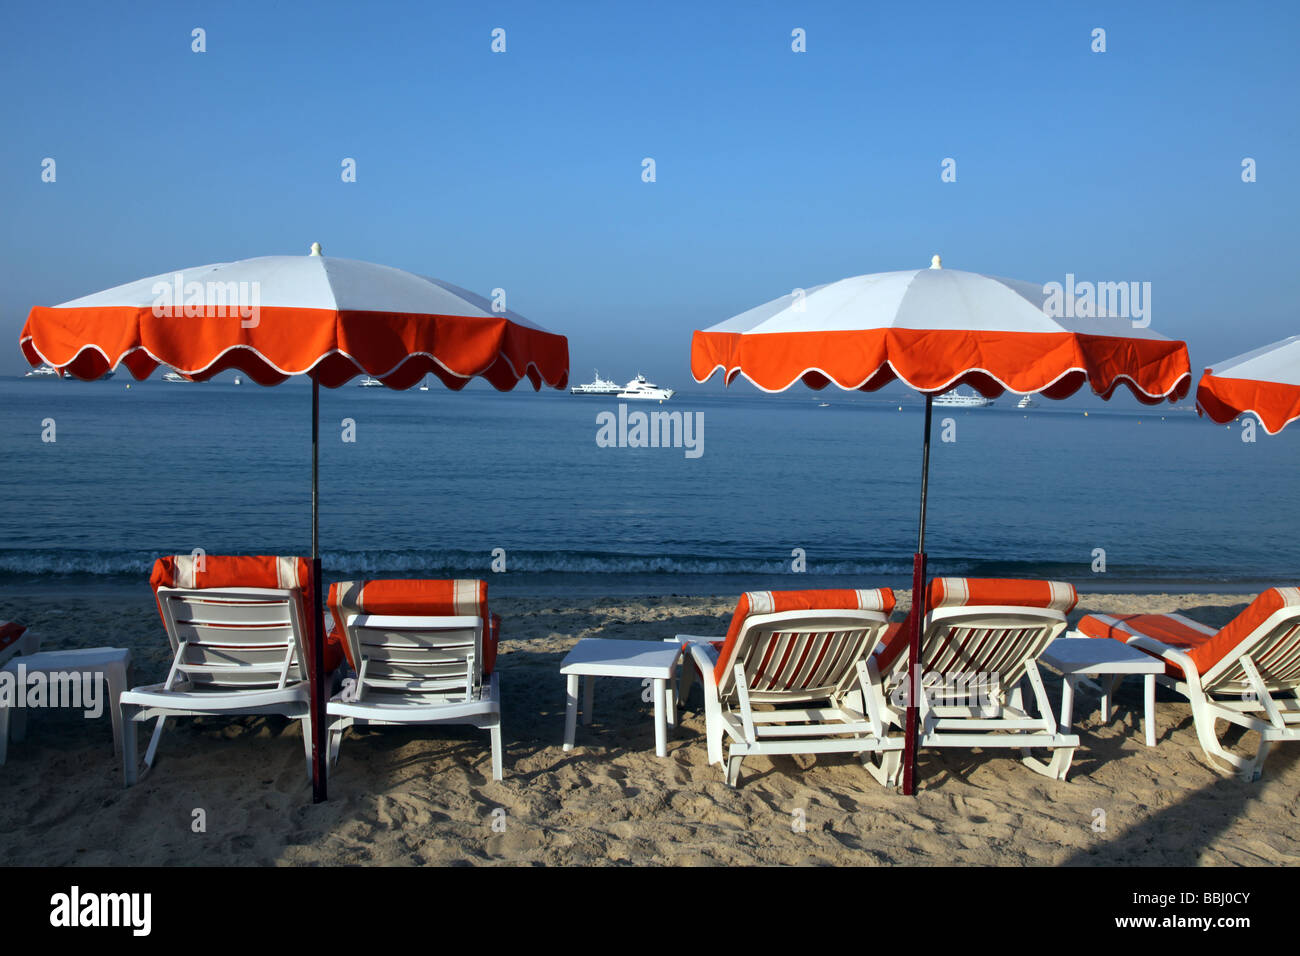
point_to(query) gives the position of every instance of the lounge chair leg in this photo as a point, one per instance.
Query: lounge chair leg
(886, 771)
(305, 724)
(495, 731)
(733, 769)
(152, 750)
(130, 755)
(4, 734)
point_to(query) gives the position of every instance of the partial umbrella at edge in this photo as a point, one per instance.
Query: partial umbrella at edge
(1264, 383)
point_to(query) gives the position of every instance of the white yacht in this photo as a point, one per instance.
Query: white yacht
(238, 380)
(642, 390)
(1027, 402)
(370, 382)
(600, 386)
(958, 399)
(44, 371)
(174, 377)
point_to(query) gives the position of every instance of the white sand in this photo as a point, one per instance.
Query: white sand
(420, 795)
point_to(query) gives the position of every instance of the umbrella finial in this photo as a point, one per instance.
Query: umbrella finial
(315, 249)
(936, 262)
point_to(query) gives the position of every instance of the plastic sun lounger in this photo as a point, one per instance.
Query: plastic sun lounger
(237, 650)
(1247, 673)
(791, 677)
(423, 652)
(980, 639)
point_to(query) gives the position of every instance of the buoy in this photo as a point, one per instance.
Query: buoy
(128, 385)
(1085, 414)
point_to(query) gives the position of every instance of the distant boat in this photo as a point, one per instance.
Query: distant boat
(824, 405)
(641, 390)
(369, 382)
(1027, 402)
(238, 380)
(957, 399)
(174, 377)
(601, 386)
(44, 371)
(424, 386)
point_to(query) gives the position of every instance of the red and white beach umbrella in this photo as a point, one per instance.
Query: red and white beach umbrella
(277, 316)
(1264, 383)
(934, 329)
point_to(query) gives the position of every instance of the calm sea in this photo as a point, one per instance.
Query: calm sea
(435, 482)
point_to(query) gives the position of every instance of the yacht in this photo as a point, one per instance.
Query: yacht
(44, 371)
(642, 390)
(370, 382)
(1027, 402)
(957, 399)
(424, 385)
(600, 386)
(238, 380)
(174, 377)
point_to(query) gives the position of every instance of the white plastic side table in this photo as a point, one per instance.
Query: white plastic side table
(114, 663)
(595, 657)
(1076, 656)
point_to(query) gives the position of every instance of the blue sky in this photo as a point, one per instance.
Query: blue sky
(775, 169)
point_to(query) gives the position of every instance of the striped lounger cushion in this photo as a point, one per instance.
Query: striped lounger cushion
(245, 571)
(768, 602)
(9, 633)
(1202, 644)
(980, 592)
(417, 597)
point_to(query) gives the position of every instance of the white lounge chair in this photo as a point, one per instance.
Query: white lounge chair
(980, 638)
(423, 652)
(1246, 673)
(237, 648)
(790, 676)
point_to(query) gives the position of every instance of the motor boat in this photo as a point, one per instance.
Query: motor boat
(958, 399)
(600, 386)
(640, 390)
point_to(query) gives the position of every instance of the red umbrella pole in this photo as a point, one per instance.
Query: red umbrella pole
(913, 678)
(316, 669)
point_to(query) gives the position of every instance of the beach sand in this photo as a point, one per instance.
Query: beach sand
(425, 795)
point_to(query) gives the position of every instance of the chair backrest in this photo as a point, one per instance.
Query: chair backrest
(1269, 631)
(421, 639)
(801, 645)
(991, 626)
(234, 637)
(11, 640)
(235, 620)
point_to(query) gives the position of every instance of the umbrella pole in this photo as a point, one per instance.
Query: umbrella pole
(918, 621)
(316, 673)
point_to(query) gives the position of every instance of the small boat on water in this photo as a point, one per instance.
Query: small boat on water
(640, 390)
(44, 371)
(601, 386)
(959, 399)
(1027, 402)
(424, 384)
(369, 382)
(174, 377)
(238, 380)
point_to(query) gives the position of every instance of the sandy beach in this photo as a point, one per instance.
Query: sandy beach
(425, 796)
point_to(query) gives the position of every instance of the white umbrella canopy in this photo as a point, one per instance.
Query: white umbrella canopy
(1264, 382)
(934, 329)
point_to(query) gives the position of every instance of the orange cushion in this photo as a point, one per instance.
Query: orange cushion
(1205, 650)
(10, 632)
(768, 602)
(979, 592)
(415, 596)
(246, 571)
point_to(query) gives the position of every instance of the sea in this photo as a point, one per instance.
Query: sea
(546, 494)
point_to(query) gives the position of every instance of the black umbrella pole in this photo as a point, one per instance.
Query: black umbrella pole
(316, 673)
(918, 621)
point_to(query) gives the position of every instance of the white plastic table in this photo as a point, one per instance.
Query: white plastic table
(114, 663)
(595, 657)
(1076, 657)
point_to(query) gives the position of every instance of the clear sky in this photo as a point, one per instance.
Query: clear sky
(774, 169)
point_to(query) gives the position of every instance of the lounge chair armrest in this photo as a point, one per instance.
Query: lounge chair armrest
(698, 639)
(1171, 654)
(705, 657)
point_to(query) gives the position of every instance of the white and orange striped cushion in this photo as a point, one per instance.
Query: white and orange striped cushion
(1205, 646)
(10, 632)
(196, 572)
(980, 592)
(769, 602)
(419, 597)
